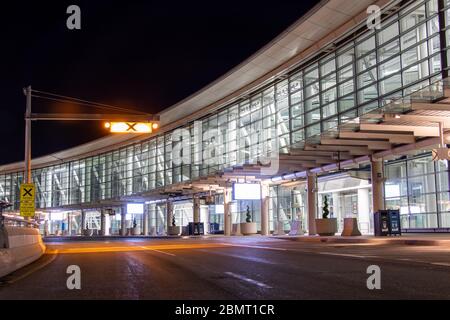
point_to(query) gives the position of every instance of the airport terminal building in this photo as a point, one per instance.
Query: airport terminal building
(337, 107)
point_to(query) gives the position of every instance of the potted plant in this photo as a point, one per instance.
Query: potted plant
(326, 226)
(136, 230)
(248, 227)
(174, 230)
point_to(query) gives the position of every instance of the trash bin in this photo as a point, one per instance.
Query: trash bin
(196, 229)
(387, 223)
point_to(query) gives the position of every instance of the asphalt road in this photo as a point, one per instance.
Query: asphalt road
(233, 268)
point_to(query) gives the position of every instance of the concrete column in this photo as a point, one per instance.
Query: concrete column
(69, 224)
(169, 214)
(377, 185)
(265, 210)
(227, 211)
(102, 223)
(363, 210)
(123, 224)
(83, 220)
(145, 220)
(311, 186)
(196, 209)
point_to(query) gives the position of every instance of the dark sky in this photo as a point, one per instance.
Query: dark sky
(144, 54)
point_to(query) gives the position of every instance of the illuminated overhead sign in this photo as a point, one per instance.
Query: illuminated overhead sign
(246, 191)
(132, 127)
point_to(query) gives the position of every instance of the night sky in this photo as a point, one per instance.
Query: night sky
(145, 55)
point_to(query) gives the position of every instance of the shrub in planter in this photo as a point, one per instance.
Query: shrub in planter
(326, 226)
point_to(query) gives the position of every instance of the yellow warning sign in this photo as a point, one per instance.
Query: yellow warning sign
(27, 196)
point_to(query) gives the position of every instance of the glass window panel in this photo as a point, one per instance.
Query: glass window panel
(296, 123)
(349, 115)
(389, 50)
(329, 110)
(312, 103)
(367, 78)
(432, 7)
(330, 124)
(421, 166)
(388, 33)
(329, 95)
(415, 73)
(368, 94)
(434, 45)
(367, 62)
(296, 110)
(313, 130)
(297, 97)
(433, 26)
(415, 54)
(345, 56)
(390, 84)
(328, 81)
(311, 90)
(365, 47)
(390, 67)
(368, 107)
(298, 136)
(345, 73)
(414, 36)
(312, 116)
(346, 103)
(346, 88)
(413, 18)
(312, 76)
(295, 83)
(328, 67)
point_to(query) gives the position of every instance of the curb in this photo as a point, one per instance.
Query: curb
(377, 240)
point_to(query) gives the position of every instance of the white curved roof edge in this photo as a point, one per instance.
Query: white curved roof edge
(324, 24)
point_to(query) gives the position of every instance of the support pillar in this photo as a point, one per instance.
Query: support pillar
(123, 221)
(196, 209)
(169, 213)
(227, 211)
(265, 231)
(363, 210)
(377, 185)
(145, 220)
(311, 185)
(69, 224)
(83, 221)
(102, 223)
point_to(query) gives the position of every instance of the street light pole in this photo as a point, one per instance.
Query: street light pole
(27, 172)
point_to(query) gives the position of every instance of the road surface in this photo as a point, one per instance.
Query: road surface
(231, 268)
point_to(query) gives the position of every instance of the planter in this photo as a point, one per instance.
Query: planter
(248, 228)
(326, 227)
(88, 232)
(350, 228)
(136, 231)
(174, 230)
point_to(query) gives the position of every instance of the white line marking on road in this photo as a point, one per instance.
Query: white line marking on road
(240, 277)
(252, 259)
(346, 255)
(445, 264)
(146, 248)
(255, 247)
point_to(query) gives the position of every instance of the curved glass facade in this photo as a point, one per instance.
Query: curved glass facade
(359, 75)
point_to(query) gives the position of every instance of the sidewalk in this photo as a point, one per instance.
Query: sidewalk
(413, 239)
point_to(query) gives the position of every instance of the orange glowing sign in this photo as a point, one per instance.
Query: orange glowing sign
(132, 127)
